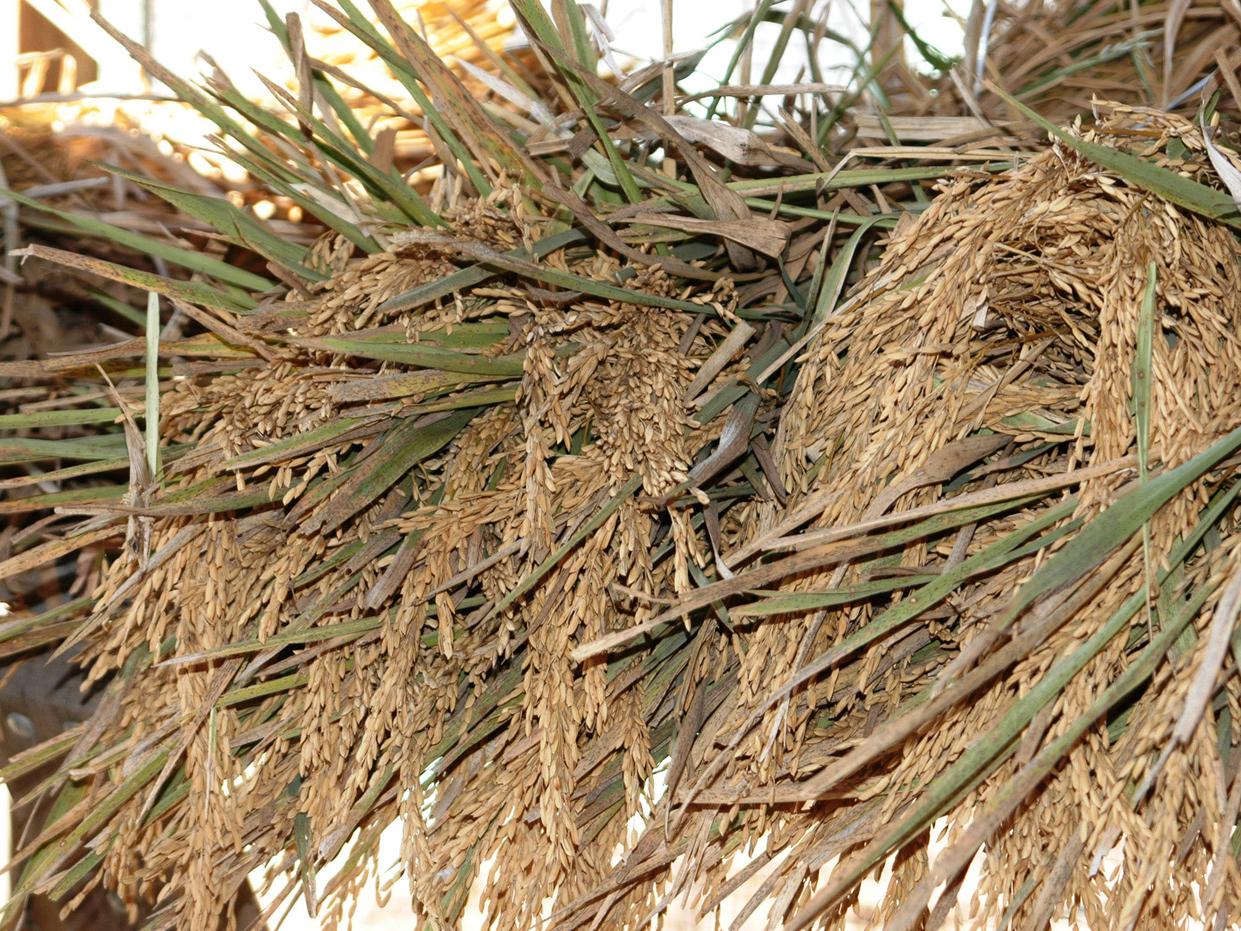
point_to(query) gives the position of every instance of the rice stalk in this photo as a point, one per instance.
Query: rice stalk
(907, 495)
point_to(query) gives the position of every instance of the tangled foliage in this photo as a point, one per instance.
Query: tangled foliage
(598, 523)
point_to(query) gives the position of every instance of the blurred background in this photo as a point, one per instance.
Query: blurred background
(51, 47)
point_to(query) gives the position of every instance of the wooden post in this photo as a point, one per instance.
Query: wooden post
(889, 43)
(10, 47)
(72, 18)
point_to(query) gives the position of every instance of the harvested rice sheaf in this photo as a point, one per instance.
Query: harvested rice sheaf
(1041, 678)
(1013, 307)
(466, 560)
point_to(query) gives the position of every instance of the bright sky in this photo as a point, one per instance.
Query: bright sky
(234, 31)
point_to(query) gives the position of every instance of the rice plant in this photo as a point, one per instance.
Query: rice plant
(614, 465)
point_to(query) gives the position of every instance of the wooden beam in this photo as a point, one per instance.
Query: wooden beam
(72, 17)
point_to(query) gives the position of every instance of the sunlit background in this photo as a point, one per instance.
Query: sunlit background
(233, 33)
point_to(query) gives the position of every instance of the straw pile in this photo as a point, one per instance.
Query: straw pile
(1058, 58)
(61, 175)
(490, 503)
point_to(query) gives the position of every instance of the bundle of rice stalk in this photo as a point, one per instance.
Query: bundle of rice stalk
(493, 500)
(381, 493)
(1009, 568)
